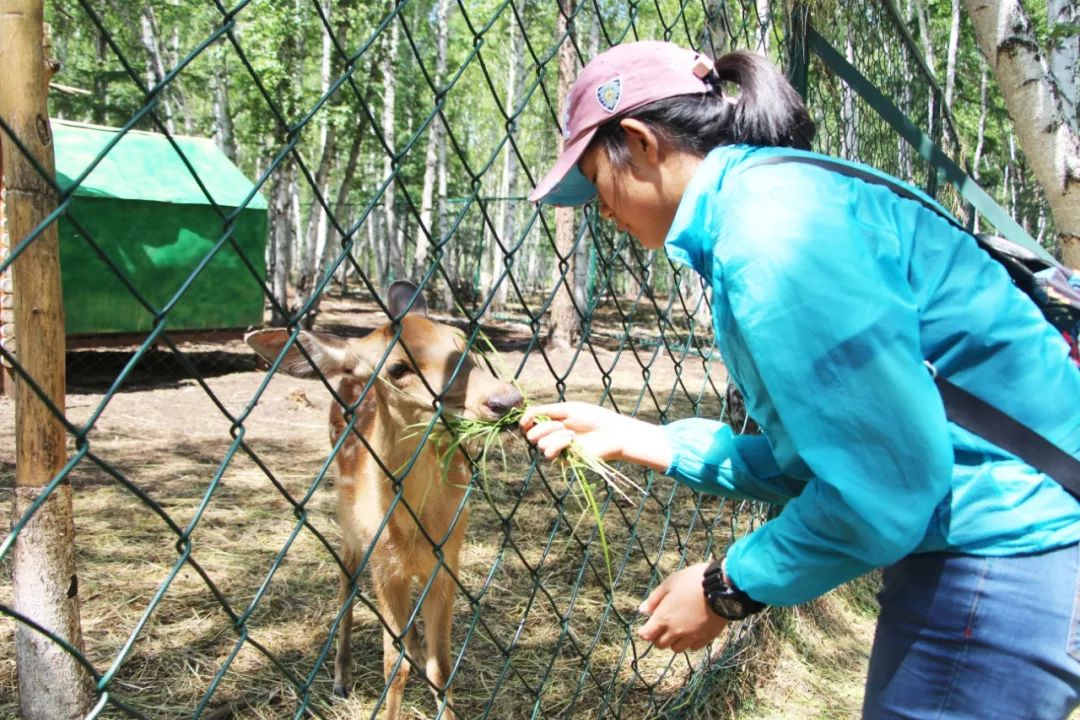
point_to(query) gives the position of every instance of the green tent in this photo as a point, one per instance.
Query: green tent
(143, 207)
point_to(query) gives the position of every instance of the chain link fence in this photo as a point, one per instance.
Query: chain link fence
(383, 141)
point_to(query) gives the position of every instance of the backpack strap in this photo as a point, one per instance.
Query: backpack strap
(986, 421)
(961, 407)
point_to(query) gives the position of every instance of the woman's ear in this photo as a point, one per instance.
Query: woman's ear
(641, 141)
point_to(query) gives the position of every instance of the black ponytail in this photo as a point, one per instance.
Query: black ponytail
(768, 111)
(765, 110)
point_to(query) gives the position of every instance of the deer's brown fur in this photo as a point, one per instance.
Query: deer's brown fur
(420, 543)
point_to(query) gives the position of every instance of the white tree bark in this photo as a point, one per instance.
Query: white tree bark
(182, 108)
(1051, 146)
(1064, 57)
(904, 149)
(341, 206)
(428, 231)
(927, 38)
(764, 22)
(449, 260)
(223, 132)
(951, 53)
(1010, 179)
(294, 220)
(508, 177)
(849, 109)
(280, 242)
(313, 242)
(980, 141)
(923, 20)
(393, 255)
(155, 66)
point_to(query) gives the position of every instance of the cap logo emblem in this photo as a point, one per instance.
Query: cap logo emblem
(609, 93)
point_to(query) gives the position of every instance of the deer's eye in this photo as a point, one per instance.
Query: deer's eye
(399, 370)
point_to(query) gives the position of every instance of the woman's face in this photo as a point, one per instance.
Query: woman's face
(642, 195)
(628, 195)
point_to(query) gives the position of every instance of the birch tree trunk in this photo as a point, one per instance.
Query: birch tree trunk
(313, 248)
(280, 242)
(849, 109)
(155, 66)
(449, 262)
(392, 255)
(180, 97)
(341, 206)
(223, 132)
(951, 53)
(402, 231)
(1039, 115)
(764, 22)
(508, 177)
(1011, 181)
(564, 319)
(296, 227)
(980, 140)
(923, 20)
(1064, 56)
(44, 584)
(904, 150)
(428, 232)
(102, 53)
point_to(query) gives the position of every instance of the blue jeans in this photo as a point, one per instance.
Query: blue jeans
(978, 638)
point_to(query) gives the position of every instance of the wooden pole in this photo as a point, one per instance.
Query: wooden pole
(7, 298)
(52, 684)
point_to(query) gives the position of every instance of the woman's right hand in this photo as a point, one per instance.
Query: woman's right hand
(599, 432)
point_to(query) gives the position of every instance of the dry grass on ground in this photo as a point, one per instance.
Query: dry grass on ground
(533, 631)
(528, 614)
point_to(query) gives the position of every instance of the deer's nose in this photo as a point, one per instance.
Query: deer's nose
(503, 403)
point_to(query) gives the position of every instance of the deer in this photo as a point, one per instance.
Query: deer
(407, 522)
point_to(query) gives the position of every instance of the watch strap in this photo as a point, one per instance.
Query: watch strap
(724, 598)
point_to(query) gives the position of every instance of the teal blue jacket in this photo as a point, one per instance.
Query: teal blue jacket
(828, 295)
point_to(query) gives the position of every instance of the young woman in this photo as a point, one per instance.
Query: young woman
(832, 295)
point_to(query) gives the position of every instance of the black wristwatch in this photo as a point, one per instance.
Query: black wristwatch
(725, 599)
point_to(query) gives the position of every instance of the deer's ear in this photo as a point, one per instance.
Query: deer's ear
(329, 354)
(400, 294)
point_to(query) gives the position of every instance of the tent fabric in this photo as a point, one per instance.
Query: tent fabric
(142, 208)
(146, 166)
(157, 247)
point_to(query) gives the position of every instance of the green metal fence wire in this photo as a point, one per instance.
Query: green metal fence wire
(539, 632)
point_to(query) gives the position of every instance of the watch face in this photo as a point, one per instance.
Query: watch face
(728, 607)
(725, 600)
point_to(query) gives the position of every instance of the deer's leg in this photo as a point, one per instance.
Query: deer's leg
(392, 593)
(438, 611)
(343, 659)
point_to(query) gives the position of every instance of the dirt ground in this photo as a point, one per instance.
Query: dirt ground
(217, 591)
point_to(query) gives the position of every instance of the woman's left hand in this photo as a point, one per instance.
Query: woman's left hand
(680, 618)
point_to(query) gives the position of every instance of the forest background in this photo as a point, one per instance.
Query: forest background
(416, 129)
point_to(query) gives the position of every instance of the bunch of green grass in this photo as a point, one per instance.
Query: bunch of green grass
(484, 437)
(576, 464)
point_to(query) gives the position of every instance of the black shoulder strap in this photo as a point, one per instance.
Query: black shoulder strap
(961, 407)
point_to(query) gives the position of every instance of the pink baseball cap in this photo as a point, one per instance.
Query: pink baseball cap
(614, 82)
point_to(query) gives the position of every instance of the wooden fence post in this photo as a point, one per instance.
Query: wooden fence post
(53, 685)
(7, 298)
